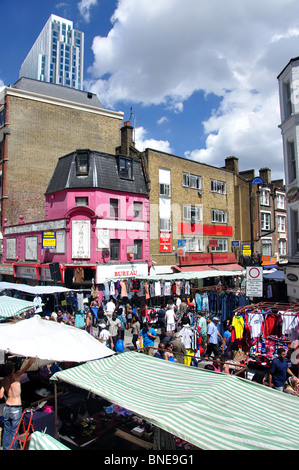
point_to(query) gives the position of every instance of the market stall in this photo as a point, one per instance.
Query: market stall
(11, 307)
(206, 409)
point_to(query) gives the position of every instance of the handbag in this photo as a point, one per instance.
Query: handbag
(119, 347)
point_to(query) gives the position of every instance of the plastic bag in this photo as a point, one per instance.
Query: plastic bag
(119, 347)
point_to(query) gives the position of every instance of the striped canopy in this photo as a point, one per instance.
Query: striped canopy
(41, 441)
(208, 409)
(11, 307)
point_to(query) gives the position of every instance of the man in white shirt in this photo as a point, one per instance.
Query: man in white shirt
(104, 336)
(110, 307)
(170, 318)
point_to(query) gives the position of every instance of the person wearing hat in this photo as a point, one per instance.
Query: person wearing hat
(104, 336)
(212, 337)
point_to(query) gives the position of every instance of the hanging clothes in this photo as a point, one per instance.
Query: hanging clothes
(238, 324)
(255, 322)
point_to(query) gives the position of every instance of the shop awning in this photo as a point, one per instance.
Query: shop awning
(228, 267)
(210, 410)
(34, 290)
(199, 268)
(48, 340)
(42, 441)
(11, 307)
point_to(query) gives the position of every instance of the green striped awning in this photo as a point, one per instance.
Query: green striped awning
(205, 408)
(41, 441)
(11, 306)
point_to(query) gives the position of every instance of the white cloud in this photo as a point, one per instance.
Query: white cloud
(84, 8)
(141, 142)
(161, 53)
(162, 120)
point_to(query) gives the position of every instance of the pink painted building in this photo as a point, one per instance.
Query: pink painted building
(96, 224)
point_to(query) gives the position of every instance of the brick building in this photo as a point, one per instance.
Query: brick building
(39, 122)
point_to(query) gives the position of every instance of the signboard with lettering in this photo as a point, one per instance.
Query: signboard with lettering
(49, 239)
(254, 281)
(165, 242)
(246, 250)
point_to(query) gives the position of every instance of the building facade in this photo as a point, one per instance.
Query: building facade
(39, 122)
(57, 55)
(289, 111)
(96, 225)
(196, 212)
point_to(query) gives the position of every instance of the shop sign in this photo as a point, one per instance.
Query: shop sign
(121, 271)
(292, 277)
(165, 242)
(49, 239)
(246, 250)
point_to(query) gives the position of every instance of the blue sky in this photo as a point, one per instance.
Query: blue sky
(199, 75)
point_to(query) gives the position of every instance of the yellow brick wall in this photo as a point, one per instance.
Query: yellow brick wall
(41, 133)
(181, 195)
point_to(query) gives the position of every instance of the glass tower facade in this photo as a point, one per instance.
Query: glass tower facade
(57, 55)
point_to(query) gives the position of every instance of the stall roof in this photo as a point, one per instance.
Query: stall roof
(275, 275)
(48, 340)
(42, 441)
(11, 307)
(34, 290)
(210, 410)
(187, 275)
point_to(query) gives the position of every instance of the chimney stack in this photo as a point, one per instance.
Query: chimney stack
(126, 139)
(265, 174)
(232, 164)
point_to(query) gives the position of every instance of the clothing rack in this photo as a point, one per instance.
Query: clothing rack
(270, 307)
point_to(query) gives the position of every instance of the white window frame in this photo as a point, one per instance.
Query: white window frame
(165, 225)
(218, 186)
(266, 246)
(194, 245)
(192, 213)
(265, 197)
(222, 245)
(192, 181)
(219, 216)
(137, 210)
(282, 247)
(281, 223)
(280, 201)
(266, 221)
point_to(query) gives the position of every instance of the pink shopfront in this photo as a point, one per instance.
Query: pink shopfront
(96, 225)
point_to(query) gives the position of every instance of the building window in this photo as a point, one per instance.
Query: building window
(81, 201)
(218, 187)
(219, 216)
(114, 208)
(165, 225)
(114, 249)
(138, 249)
(267, 247)
(164, 189)
(280, 201)
(82, 163)
(125, 168)
(192, 181)
(194, 244)
(265, 197)
(281, 221)
(221, 245)
(295, 232)
(282, 247)
(192, 214)
(265, 220)
(291, 160)
(288, 99)
(137, 209)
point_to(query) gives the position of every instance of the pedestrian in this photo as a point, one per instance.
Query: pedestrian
(114, 328)
(143, 312)
(135, 330)
(10, 386)
(110, 307)
(178, 348)
(104, 336)
(212, 337)
(122, 317)
(169, 353)
(202, 323)
(161, 351)
(148, 335)
(279, 370)
(129, 315)
(170, 318)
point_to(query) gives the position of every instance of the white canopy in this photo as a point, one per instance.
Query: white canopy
(34, 290)
(48, 340)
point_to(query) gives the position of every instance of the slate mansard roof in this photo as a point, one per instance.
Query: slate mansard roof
(102, 173)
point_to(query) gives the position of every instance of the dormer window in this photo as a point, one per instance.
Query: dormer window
(82, 163)
(125, 169)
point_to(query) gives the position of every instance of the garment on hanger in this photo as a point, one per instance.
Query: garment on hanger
(238, 324)
(123, 289)
(255, 322)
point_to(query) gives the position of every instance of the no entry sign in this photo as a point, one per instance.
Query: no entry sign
(254, 281)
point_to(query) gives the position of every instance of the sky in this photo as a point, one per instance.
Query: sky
(198, 78)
